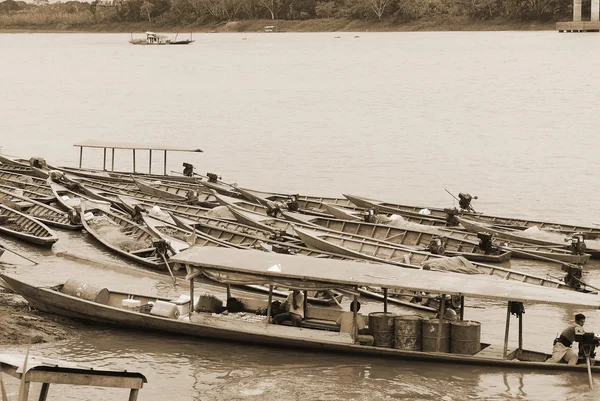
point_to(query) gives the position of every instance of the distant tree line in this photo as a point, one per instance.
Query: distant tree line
(189, 12)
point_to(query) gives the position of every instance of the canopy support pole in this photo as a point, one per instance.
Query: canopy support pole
(113, 160)
(150, 163)
(385, 300)
(165, 165)
(191, 296)
(521, 334)
(269, 304)
(355, 319)
(228, 291)
(462, 307)
(103, 161)
(133, 394)
(506, 331)
(441, 323)
(44, 392)
(305, 302)
(80, 156)
(134, 161)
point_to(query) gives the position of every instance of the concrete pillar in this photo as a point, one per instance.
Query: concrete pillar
(576, 10)
(595, 10)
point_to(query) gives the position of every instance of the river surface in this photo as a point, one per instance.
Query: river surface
(511, 117)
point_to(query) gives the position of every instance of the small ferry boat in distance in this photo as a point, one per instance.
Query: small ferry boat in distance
(156, 39)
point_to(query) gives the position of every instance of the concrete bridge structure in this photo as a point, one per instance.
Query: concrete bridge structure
(577, 25)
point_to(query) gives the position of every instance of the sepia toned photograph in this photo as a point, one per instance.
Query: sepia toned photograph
(297, 200)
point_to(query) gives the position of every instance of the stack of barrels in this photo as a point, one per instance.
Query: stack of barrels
(413, 333)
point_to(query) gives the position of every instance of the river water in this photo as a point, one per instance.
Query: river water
(511, 117)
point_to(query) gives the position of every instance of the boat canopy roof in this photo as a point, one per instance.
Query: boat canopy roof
(94, 143)
(45, 370)
(305, 272)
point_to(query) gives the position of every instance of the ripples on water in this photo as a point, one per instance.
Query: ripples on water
(507, 116)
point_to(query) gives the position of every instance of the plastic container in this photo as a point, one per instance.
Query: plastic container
(165, 309)
(86, 291)
(465, 337)
(131, 304)
(408, 332)
(381, 326)
(430, 333)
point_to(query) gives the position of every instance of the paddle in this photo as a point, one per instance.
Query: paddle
(589, 369)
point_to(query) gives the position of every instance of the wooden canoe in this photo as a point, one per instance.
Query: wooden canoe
(24, 227)
(517, 235)
(517, 248)
(122, 236)
(31, 191)
(411, 239)
(384, 253)
(40, 211)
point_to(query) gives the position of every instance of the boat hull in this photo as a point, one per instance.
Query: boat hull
(52, 301)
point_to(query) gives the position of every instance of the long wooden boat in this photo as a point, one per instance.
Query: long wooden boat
(384, 253)
(388, 207)
(517, 235)
(261, 221)
(177, 194)
(36, 196)
(307, 204)
(40, 194)
(231, 265)
(123, 236)
(40, 211)
(27, 166)
(183, 210)
(15, 176)
(24, 227)
(418, 240)
(517, 248)
(381, 218)
(253, 207)
(71, 200)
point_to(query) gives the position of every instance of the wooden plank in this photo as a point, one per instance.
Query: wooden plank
(84, 379)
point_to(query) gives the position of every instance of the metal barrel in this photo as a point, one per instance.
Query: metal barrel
(86, 291)
(465, 337)
(381, 326)
(408, 332)
(430, 333)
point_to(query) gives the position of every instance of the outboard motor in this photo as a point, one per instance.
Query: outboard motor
(577, 246)
(38, 162)
(292, 203)
(464, 201)
(451, 216)
(277, 235)
(573, 276)
(162, 246)
(370, 216)
(212, 177)
(137, 213)
(587, 345)
(486, 243)
(282, 249)
(273, 209)
(74, 217)
(188, 169)
(436, 246)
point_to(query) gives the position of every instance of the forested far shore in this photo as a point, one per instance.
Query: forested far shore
(288, 15)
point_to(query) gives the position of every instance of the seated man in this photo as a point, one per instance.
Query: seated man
(294, 304)
(562, 345)
(346, 323)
